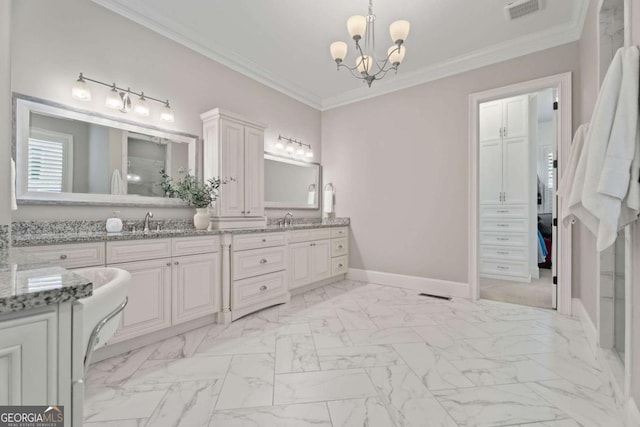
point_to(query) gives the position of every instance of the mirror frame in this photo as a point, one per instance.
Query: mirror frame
(22, 107)
(284, 205)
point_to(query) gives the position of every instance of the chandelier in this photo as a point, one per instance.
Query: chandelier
(367, 67)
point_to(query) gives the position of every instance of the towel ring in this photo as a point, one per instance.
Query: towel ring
(330, 186)
(312, 187)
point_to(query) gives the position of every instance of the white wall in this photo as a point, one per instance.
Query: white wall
(54, 40)
(5, 109)
(400, 166)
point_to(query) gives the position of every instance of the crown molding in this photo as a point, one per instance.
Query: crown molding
(505, 51)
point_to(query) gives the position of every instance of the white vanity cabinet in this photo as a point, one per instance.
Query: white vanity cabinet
(233, 150)
(76, 255)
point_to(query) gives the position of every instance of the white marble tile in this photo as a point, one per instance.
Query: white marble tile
(509, 346)
(585, 406)
(293, 329)
(384, 336)
(139, 422)
(320, 386)
(187, 404)
(117, 403)
(263, 343)
(117, 370)
(515, 328)
(354, 319)
(368, 412)
(497, 406)
(559, 423)
(329, 333)
(180, 346)
(460, 329)
(296, 353)
(576, 371)
(261, 322)
(302, 415)
(180, 370)
(503, 370)
(397, 317)
(358, 357)
(406, 398)
(249, 382)
(308, 315)
(518, 313)
(447, 346)
(434, 371)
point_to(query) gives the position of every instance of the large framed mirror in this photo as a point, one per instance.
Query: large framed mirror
(70, 156)
(290, 184)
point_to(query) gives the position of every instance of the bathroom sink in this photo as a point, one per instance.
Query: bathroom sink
(102, 311)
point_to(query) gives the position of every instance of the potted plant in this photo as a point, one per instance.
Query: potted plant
(197, 194)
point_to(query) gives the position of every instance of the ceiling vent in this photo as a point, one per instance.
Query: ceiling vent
(520, 8)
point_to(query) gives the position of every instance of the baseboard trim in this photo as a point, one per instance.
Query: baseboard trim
(422, 284)
(578, 310)
(633, 413)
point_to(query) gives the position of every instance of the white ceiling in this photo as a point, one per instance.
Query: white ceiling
(285, 43)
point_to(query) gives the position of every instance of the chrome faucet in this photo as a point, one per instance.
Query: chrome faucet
(146, 220)
(284, 220)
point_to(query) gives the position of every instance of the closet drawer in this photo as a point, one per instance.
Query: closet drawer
(243, 242)
(506, 268)
(512, 253)
(504, 239)
(339, 246)
(194, 245)
(504, 211)
(258, 261)
(308, 235)
(339, 265)
(496, 224)
(70, 256)
(256, 289)
(340, 232)
(138, 250)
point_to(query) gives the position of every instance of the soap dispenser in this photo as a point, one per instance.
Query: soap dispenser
(114, 224)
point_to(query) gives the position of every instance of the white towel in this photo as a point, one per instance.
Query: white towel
(12, 182)
(611, 143)
(327, 201)
(311, 198)
(568, 179)
(117, 184)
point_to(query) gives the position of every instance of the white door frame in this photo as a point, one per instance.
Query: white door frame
(564, 132)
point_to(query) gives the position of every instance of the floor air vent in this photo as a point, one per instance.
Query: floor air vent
(435, 296)
(520, 8)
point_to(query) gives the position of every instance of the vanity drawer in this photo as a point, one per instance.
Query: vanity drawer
(340, 232)
(258, 261)
(138, 250)
(513, 253)
(194, 245)
(504, 239)
(243, 242)
(508, 268)
(497, 224)
(308, 235)
(339, 246)
(339, 265)
(70, 256)
(510, 211)
(256, 289)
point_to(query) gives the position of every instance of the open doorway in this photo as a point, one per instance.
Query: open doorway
(520, 136)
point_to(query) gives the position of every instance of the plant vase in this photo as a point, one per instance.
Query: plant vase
(201, 218)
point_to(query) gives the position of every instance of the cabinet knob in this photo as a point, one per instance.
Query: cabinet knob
(263, 261)
(176, 263)
(168, 264)
(340, 246)
(248, 212)
(264, 240)
(340, 265)
(63, 256)
(242, 212)
(263, 288)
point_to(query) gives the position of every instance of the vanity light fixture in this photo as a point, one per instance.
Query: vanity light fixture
(364, 26)
(291, 147)
(120, 99)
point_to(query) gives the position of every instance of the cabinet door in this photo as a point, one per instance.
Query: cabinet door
(490, 172)
(149, 306)
(320, 260)
(299, 264)
(196, 286)
(490, 120)
(515, 116)
(516, 170)
(231, 169)
(254, 172)
(28, 374)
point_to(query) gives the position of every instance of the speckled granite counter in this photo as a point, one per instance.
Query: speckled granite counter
(39, 233)
(26, 282)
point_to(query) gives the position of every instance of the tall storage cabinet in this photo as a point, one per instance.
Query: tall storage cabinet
(506, 189)
(233, 150)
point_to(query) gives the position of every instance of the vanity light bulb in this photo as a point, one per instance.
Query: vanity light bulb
(142, 106)
(114, 101)
(80, 90)
(166, 114)
(309, 154)
(300, 151)
(290, 149)
(279, 145)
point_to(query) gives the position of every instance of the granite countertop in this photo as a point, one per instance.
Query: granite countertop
(37, 237)
(27, 282)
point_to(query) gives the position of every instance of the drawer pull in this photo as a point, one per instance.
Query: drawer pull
(263, 261)
(501, 267)
(340, 246)
(502, 252)
(63, 256)
(503, 239)
(263, 288)
(264, 240)
(502, 225)
(340, 265)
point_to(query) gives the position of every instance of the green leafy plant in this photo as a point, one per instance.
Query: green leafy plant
(196, 193)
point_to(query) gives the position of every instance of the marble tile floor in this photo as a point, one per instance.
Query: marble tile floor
(358, 354)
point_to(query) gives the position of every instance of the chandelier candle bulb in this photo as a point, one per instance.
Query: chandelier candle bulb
(338, 51)
(396, 54)
(399, 31)
(364, 63)
(357, 25)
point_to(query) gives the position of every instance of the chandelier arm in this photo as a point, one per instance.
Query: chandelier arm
(384, 72)
(359, 77)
